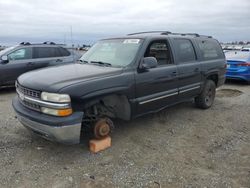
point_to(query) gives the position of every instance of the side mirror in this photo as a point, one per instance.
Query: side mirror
(4, 59)
(148, 63)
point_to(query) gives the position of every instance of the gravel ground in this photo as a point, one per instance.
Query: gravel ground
(181, 146)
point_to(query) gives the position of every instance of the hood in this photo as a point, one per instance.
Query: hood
(53, 79)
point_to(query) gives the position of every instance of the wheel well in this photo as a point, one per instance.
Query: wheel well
(213, 77)
(113, 106)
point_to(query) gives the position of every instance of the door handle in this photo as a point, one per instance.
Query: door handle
(30, 63)
(173, 74)
(59, 60)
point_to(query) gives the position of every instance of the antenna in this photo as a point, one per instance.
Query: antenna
(71, 36)
(64, 39)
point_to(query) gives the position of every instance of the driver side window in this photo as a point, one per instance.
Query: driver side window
(160, 50)
(20, 54)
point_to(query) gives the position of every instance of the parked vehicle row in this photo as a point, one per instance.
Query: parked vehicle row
(123, 78)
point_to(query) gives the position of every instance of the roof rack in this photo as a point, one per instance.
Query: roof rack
(49, 42)
(46, 42)
(145, 32)
(170, 33)
(24, 43)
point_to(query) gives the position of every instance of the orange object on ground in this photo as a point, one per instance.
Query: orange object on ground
(99, 145)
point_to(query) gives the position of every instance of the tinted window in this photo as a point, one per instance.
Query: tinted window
(20, 54)
(47, 52)
(210, 49)
(159, 50)
(42, 52)
(64, 52)
(185, 50)
(55, 52)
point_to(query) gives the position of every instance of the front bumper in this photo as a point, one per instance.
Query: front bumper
(65, 130)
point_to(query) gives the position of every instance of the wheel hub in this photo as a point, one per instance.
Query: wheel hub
(102, 128)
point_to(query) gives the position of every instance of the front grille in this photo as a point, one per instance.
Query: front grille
(30, 93)
(31, 105)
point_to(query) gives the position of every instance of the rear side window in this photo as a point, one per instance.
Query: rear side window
(184, 50)
(210, 49)
(64, 52)
(43, 52)
(48, 52)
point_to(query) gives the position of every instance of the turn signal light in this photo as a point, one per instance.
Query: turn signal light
(57, 112)
(64, 112)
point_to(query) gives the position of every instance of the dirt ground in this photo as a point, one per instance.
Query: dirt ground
(181, 146)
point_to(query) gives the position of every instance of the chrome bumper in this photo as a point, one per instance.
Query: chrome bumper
(69, 134)
(65, 130)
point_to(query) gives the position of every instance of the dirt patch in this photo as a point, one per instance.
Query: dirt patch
(228, 93)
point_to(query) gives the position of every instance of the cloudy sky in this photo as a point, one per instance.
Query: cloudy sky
(42, 20)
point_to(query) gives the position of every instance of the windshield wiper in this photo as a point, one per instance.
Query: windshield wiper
(82, 61)
(101, 63)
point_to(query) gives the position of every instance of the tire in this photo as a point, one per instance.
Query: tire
(206, 98)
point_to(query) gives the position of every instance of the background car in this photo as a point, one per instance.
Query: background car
(238, 65)
(25, 57)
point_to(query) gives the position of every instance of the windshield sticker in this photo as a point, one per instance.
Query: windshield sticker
(131, 41)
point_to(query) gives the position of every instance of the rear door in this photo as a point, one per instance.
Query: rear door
(43, 56)
(188, 66)
(20, 61)
(50, 56)
(157, 87)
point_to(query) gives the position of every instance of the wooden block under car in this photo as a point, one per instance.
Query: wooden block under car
(99, 145)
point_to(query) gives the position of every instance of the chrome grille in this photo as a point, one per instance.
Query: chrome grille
(28, 92)
(31, 105)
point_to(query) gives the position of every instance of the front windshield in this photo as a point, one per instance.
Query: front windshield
(114, 52)
(6, 50)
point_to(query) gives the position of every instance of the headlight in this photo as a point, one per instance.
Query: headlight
(57, 112)
(54, 97)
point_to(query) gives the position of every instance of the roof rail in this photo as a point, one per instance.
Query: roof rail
(161, 32)
(49, 42)
(46, 42)
(24, 43)
(191, 34)
(170, 33)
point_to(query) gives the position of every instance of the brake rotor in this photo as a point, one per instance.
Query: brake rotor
(102, 128)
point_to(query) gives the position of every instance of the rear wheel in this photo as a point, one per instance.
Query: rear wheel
(206, 98)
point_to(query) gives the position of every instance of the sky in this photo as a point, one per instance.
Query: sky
(91, 20)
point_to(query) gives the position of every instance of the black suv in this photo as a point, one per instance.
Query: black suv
(25, 57)
(119, 78)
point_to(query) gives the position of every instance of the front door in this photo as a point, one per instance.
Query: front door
(157, 87)
(18, 63)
